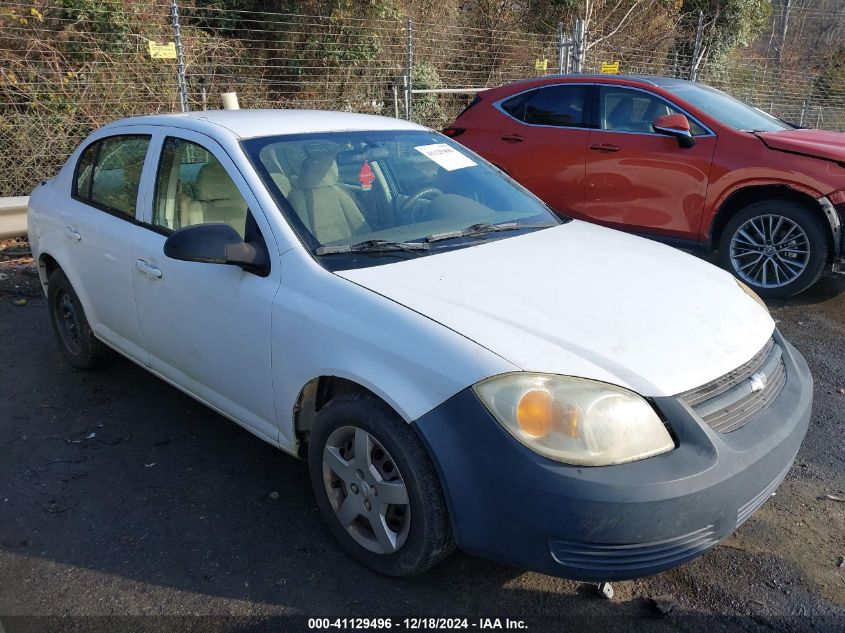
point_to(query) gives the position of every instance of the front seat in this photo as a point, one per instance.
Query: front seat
(328, 212)
(622, 116)
(217, 199)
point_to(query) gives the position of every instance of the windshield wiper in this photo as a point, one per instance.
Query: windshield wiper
(373, 246)
(482, 228)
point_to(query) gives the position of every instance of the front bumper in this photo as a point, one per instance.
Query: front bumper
(615, 522)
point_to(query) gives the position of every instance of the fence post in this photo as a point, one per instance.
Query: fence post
(560, 48)
(580, 44)
(696, 51)
(409, 72)
(180, 57)
(803, 109)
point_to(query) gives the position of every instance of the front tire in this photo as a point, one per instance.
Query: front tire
(70, 325)
(777, 247)
(377, 487)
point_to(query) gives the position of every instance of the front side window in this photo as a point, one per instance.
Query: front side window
(348, 188)
(108, 173)
(625, 110)
(192, 187)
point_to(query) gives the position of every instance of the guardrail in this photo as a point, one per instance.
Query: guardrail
(13, 216)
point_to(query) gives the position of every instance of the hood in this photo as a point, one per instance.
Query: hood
(582, 300)
(816, 143)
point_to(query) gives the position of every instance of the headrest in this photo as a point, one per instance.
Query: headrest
(623, 111)
(213, 183)
(282, 182)
(319, 170)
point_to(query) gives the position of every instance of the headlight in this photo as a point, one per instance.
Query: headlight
(752, 294)
(574, 420)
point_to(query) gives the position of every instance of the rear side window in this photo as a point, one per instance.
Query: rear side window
(84, 171)
(108, 174)
(515, 106)
(558, 106)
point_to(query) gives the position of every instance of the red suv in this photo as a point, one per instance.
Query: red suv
(674, 160)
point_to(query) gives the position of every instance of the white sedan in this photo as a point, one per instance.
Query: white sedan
(459, 365)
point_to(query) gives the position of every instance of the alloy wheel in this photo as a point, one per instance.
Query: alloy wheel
(366, 490)
(769, 251)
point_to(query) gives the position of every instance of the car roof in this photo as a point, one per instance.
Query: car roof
(651, 80)
(252, 123)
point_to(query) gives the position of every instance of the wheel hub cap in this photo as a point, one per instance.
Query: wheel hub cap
(366, 490)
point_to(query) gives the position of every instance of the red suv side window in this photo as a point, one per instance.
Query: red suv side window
(559, 106)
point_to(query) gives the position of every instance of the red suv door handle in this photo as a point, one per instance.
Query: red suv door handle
(512, 138)
(605, 147)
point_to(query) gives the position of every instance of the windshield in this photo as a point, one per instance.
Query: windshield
(728, 110)
(374, 190)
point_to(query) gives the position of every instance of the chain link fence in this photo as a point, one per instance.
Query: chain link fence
(69, 66)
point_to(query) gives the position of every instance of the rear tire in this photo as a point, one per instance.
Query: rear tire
(777, 247)
(360, 454)
(67, 316)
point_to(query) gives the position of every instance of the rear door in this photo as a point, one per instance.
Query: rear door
(206, 326)
(543, 143)
(638, 179)
(98, 224)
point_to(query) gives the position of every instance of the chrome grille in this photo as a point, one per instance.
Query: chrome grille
(732, 401)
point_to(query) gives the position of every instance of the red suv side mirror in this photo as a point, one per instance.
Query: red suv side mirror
(676, 125)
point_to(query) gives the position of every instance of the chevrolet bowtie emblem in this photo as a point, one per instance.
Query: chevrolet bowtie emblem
(758, 382)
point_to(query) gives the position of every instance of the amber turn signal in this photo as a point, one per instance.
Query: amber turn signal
(534, 412)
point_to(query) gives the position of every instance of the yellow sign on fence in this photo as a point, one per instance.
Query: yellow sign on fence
(541, 65)
(162, 51)
(608, 68)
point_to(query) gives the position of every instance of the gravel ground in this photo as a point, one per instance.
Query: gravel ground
(120, 496)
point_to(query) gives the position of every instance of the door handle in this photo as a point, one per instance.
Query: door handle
(512, 138)
(605, 147)
(149, 271)
(72, 233)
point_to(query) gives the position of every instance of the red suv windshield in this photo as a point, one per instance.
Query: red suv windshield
(725, 109)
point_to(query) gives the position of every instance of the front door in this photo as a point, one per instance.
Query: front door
(637, 179)
(206, 326)
(543, 142)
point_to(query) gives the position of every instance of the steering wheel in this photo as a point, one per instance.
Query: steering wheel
(410, 205)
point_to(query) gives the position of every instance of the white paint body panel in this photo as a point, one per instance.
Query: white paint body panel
(582, 300)
(324, 325)
(577, 300)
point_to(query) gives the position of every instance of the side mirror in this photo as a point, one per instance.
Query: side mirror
(676, 125)
(217, 244)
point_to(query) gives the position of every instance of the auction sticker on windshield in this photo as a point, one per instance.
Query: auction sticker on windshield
(447, 157)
